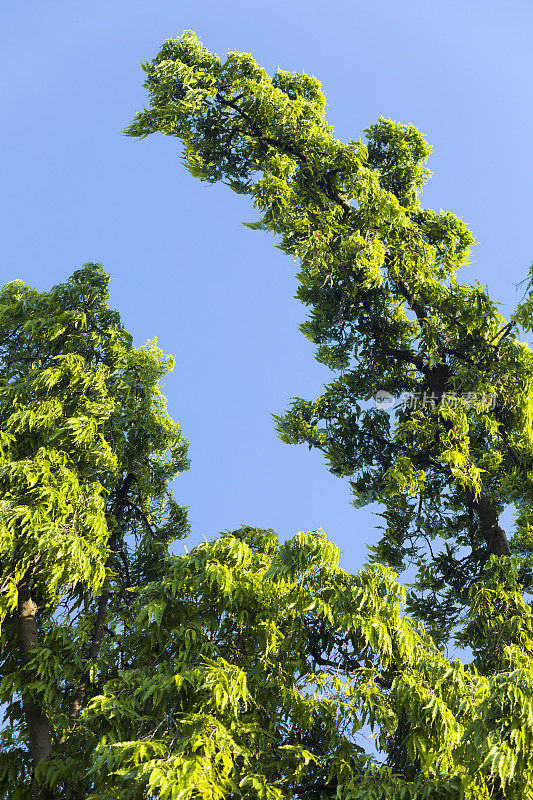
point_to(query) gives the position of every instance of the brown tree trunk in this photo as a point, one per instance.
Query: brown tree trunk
(40, 739)
(495, 537)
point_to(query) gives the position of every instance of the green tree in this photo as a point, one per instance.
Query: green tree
(248, 668)
(87, 452)
(386, 313)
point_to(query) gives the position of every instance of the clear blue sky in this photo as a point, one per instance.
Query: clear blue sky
(218, 295)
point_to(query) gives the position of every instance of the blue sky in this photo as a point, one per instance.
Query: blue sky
(216, 294)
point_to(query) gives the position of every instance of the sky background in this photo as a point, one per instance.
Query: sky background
(218, 295)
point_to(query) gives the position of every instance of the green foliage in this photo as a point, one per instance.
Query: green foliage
(80, 411)
(378, 274)
(250, 668)
(254, 668)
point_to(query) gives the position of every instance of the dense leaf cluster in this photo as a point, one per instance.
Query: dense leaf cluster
(87, 451)
(386, 313)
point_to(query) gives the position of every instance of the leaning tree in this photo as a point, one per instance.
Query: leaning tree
(387, 314)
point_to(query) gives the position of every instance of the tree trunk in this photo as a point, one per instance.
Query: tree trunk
(40, 739)
(494, 535)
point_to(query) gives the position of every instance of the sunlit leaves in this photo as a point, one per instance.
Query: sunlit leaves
(80, 410)
(379, 276)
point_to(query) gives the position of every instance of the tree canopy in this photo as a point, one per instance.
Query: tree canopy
(88, 450)
(250, 668)
(387, 313)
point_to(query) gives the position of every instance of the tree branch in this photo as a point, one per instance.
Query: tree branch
(103, 601)
(141, 514)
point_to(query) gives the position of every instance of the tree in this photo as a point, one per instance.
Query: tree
(87, 453)
(387, 313)
(249, 668)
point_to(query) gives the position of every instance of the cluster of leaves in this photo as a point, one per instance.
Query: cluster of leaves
(253, 669)
(386, 313)
(87, 452)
